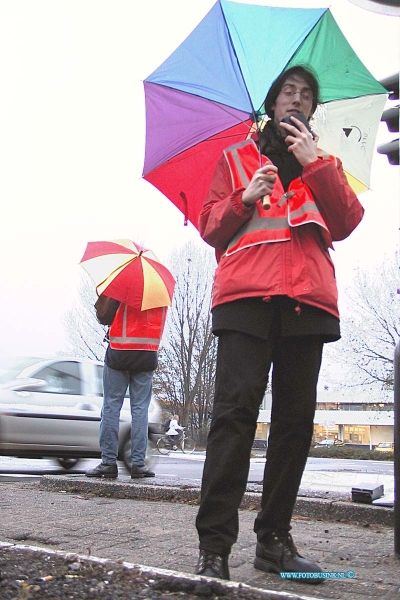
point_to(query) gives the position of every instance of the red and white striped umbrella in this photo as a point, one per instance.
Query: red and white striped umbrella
(125, 271)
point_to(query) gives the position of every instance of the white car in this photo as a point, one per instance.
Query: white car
(325, 444)
(51, 408)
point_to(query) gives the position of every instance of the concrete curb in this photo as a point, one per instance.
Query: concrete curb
(244, 590)
(313, 508)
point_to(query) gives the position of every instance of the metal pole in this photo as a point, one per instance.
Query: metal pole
(397, 450)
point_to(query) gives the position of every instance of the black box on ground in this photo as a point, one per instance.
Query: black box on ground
(366, 492)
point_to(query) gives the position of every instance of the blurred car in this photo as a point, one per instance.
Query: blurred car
(385, 447)
(260, 444)
(325, 444)
(329, 443)
(51, 408)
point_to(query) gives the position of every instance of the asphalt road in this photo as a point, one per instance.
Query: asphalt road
(191, 466)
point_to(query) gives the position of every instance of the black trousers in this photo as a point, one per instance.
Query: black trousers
(243, 366)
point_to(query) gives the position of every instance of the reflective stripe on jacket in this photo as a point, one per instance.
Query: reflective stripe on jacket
(300, 268)
(134, 329)
(291, 209)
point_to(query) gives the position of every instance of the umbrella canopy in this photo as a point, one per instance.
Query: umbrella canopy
(209, 94)
(123, 270)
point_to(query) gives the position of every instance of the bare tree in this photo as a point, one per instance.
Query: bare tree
(84, 333)
(371, 327)
(187, 357)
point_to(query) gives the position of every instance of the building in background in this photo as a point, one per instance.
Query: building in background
(358, 418)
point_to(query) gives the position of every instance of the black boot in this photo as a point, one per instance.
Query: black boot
(277, 553)
(103, 471)
(141, 471)
(212, 565)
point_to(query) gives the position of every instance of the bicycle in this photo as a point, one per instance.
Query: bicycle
(185, 443)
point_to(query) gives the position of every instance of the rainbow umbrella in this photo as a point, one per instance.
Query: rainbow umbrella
(125, 271)
(209, 94)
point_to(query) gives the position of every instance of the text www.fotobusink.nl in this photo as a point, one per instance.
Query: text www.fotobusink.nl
(323, 575)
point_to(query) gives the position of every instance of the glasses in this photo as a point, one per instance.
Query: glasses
(288, 91)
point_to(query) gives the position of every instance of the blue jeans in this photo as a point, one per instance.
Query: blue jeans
(115, 384)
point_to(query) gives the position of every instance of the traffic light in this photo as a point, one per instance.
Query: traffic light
(391, 117)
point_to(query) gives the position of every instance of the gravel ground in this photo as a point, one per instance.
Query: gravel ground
(29, 575)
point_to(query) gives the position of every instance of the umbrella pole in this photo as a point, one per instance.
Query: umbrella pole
(265, 200)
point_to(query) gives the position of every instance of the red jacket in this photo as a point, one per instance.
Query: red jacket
(301, 267)
(134, 329)
(291, 209)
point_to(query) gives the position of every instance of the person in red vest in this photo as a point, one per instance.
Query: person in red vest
(274, 304)
(130, 361)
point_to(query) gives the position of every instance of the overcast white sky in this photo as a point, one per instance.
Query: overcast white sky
(72, 146)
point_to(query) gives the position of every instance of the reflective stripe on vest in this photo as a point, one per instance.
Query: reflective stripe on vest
(291, 209)
(134, 329)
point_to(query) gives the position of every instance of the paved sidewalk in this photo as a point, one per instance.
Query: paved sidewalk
(152, 524)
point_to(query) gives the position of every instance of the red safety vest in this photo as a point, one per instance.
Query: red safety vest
(134, 329)
(288, 209)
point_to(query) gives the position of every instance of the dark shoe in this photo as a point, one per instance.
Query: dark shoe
(103, 471)
(277, 553)
(142, 471)
(212, 565)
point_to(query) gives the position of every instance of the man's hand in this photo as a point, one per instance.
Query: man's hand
(301, 142)
(261, 184)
